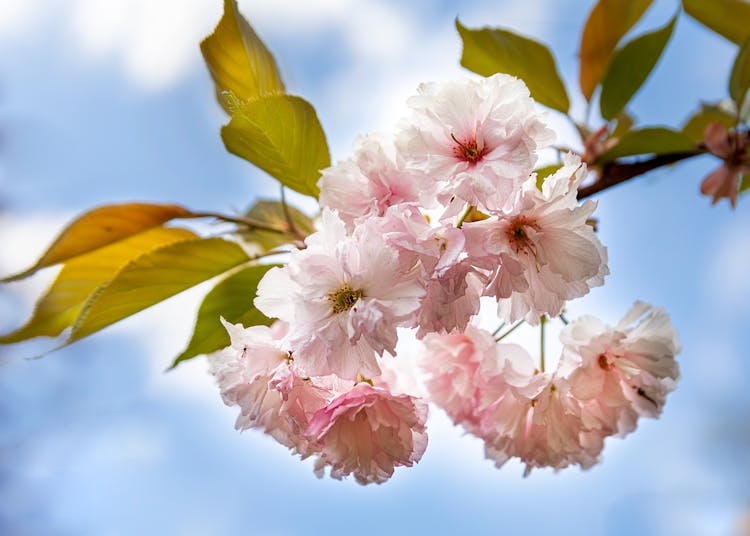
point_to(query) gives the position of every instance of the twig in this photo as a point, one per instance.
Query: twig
(511, 330)
(289, 221)
(240, 220)
(615, 173)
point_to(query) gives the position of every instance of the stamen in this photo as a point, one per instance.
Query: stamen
(468, 150)
(518, 236)
(344, 299)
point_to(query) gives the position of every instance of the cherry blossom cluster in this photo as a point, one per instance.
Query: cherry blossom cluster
(352, 427)
(606, 378)
(416, 228)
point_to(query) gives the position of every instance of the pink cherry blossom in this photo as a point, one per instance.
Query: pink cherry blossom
(413, 233)
(478, 138)
(452, 367)
(343, 297)
(724, 181)
(539, 423)
(543, 250)
(243, 370)
(622, 372)
(451, 300)
(496, 392)
(255, 374)
(367, 432)
(369, 182)
(528, 414)
(453, 284)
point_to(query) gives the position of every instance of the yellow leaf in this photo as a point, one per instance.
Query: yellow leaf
(154, 277)
(730, 18)
(100, 227)
(281, 135)
(238, 60)
(58, 308)
(608, 22)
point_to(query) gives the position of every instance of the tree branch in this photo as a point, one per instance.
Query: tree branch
(614, 173)
(240, 220)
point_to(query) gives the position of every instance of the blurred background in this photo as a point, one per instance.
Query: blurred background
(106, 101)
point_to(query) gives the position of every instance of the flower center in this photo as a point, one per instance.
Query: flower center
(468, 150)
(518, 236)
(344, 298)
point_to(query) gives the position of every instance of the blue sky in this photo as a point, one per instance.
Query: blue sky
(108, 101)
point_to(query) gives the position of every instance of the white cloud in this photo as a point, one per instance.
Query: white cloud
(15, 17)
(155, 43)
(390, 46)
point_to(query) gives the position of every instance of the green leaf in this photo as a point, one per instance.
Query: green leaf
(488, 51)
(281, 135)
(59, 307)
(745, 183)
(649, 141)
(233, 299)
(625, 123)
(544, 172)
(608, 22)
(238, 60)
(100, 227)
(154, 277)
(629, 68)
(272, 213)
(739, 81)
(725, 17)
(696, 125)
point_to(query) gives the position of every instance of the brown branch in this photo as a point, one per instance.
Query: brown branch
(289, 220)
(240, 220)
(615, 173)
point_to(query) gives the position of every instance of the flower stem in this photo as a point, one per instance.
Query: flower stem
(563, 319)
(464, 215)
(542, 322)
(511, 330)
(494, 333)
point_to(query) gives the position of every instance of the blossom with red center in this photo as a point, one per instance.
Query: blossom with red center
(622, 372)
(477, 139)
(541, 250)
(469, 150)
